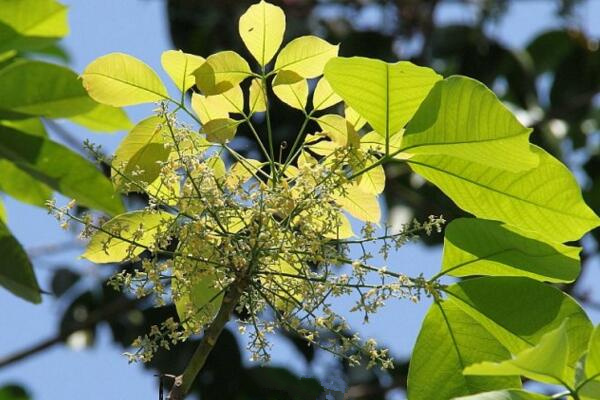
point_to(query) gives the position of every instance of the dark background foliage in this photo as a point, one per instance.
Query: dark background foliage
(555, 79)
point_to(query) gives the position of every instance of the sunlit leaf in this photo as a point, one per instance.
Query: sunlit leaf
(257, 100)
(261, 28)
(546, 200)
(221, 72)
(204, 300)
(119, 80)
(324, 96)
(16, 272)
(482, 247)
(126, 235)
(138, 156)
(291, 88)
(464, 119)
(22, 186)
(544, 362)
(306, 56)
(181, 66)
(509, 394)
(361, 205)
(386, 95)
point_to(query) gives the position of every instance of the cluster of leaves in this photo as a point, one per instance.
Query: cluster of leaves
(32, 165)
(454, 132)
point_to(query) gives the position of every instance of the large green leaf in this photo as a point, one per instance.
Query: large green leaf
(16, 272)
(545, 199)
(180, 67)
(126, 235)
(120, 80)
(103, 118)
(592, 360)
(59, 168)
(510, 394)
(22, 186)
(519, 311)
(261, 28)
(306, 56)
(40, 88)
(449, 341)
(221, 72)
(31, 24)
(140, 151)
(474, 246)
(386, 95)
(462, 118)
(546, 362)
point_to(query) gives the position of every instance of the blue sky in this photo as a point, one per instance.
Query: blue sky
(139, 27)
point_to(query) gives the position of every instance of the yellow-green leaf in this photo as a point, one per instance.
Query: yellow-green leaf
(261, 28)
(324, 96)
(139, 154)
(464, 119)
(361, 205)
(218, 106)
(180, 66)
(258, 102)
(119, 80)
(306, 56)
(386, 95)
(135, 232)
(221, 72)
(354, 118)
(220, 130)
(291, 88)
(20, 185)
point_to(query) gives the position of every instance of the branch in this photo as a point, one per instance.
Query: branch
(184, 382)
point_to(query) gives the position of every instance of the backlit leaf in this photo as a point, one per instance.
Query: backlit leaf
(257, 101)
(134, 232)
(119, 80)
(181, 66)
(361, 205)
(386, 95)
(464, 119)
(509, 394)
(103, 118)
(291, 88)
(324, 96)
(220, 130)
(545, 199)
(221, 72)
(261, 29)
(306, 56)
(22, 186)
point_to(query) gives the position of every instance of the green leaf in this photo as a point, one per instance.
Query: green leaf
(386, 95)
(462, 118)
(546, 200)
(510, 394)
(221, 72)
(204, 299)
(3, 214)
(306, 56)
(291, 88)
(181, 66)
(257, 101)
(31, 24)
(134, 231)
(220, 130)
(22, 186)
(59, 168)
(218, 106)
(546, 362)
(324, 96)
(103, 118)
(475, 246)
(519, 311)
(16, 272)
(39, 88)
(450, 340)
(361, 205)
(119, 80)
(592, 363)
(31, 126)
(261, 28)
(139, 154)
